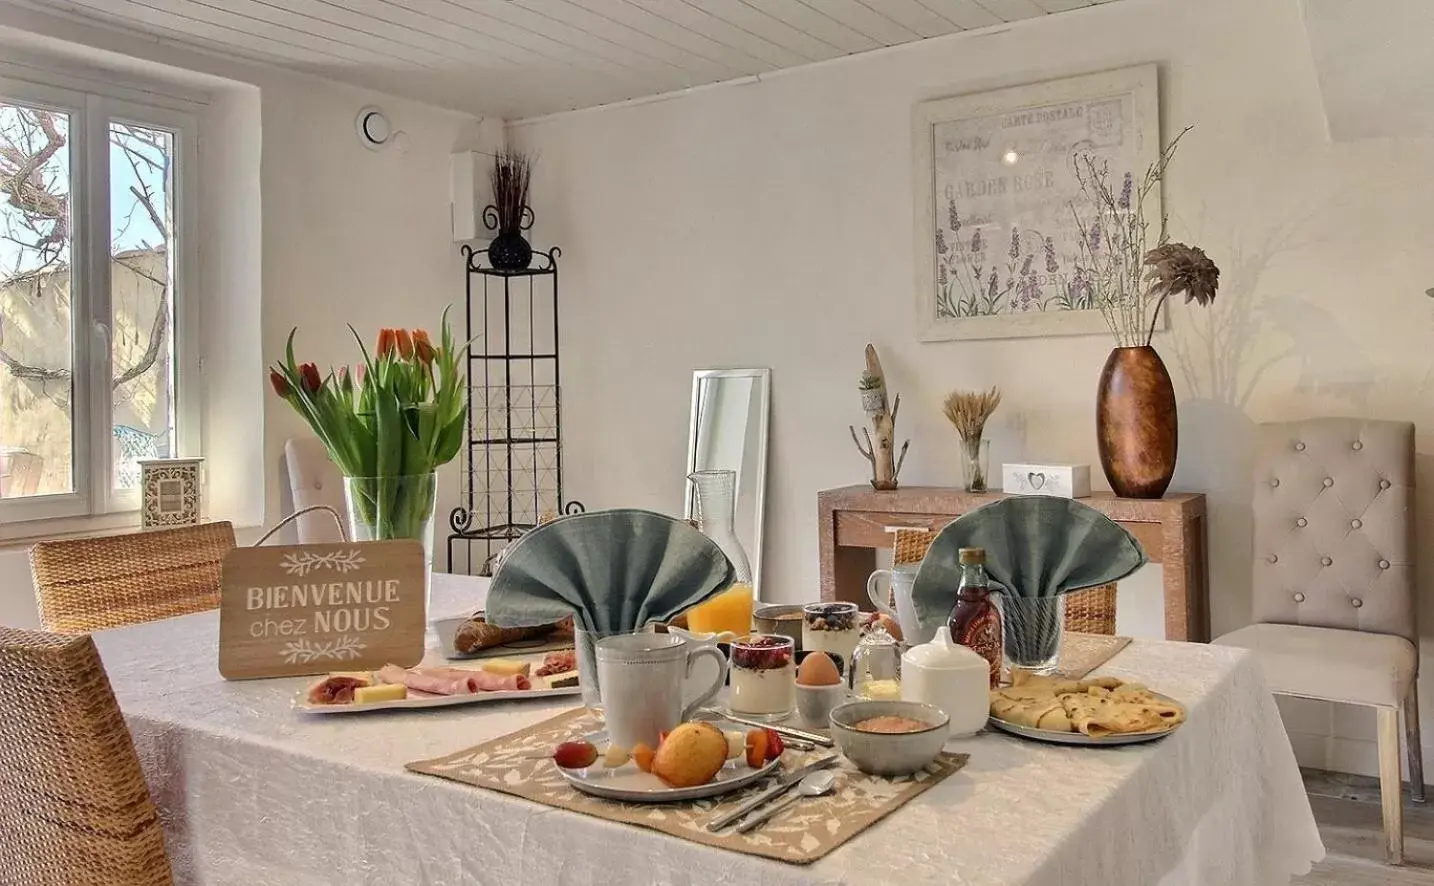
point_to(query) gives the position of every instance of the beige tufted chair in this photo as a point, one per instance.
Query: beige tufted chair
(1334, 580)
(314, 480)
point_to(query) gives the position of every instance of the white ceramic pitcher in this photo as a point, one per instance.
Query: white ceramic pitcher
(901, 579)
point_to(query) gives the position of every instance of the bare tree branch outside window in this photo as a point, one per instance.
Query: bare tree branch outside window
(36, 238)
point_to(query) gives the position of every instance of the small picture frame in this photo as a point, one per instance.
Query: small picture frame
(171, 492)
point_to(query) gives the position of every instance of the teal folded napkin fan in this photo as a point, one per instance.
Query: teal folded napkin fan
(614, 570)
(1036, 546)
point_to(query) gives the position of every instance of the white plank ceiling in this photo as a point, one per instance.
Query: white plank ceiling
(523, 58)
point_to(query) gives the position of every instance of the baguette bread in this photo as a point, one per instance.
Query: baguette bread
(476, 634)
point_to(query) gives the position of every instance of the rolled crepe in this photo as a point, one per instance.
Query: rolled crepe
(1098, 716)
(1037, 710)
(1170, 714)
(1097, 707)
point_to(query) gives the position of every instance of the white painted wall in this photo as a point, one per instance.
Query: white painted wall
(333, 234)
(770, 224)
(354, 236)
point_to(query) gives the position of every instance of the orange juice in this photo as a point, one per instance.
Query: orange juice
(730, 610)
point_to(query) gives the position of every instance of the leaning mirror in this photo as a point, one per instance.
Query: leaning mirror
(729, 433)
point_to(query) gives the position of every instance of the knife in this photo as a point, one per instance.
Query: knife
(784, 731)
(784, 784)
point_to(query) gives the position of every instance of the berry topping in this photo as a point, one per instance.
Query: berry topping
(762, 653)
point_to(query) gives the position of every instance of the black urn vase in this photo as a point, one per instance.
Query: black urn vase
(510, 251)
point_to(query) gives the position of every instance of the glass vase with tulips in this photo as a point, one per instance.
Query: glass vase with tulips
(387, 427)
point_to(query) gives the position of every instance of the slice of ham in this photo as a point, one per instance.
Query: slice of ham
(558, 663)
(336, 689)
(451, 681)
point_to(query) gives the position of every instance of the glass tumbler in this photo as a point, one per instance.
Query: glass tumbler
(763, 677)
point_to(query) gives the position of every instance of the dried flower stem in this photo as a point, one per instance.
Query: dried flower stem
(510, 177)
(1112, 244)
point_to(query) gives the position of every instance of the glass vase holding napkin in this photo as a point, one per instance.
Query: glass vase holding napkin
(1038, 548)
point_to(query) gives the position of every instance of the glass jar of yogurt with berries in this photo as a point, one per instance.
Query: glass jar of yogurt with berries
(763, 677)
(833, 628)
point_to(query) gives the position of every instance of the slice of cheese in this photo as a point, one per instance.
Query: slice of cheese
(507, 667)
(384, 692)
(365, 676)
(562, 681)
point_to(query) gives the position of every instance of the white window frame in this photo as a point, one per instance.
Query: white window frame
(94, 503)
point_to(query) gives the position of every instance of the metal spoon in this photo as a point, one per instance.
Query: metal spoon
(813, 785)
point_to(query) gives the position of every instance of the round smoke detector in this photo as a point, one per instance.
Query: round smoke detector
(374, 130)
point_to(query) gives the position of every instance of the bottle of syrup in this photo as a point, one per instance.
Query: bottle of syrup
(975, 622)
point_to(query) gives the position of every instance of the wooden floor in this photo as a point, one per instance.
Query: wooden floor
(1347, 809)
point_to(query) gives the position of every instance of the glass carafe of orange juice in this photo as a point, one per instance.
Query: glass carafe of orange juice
(731, 610)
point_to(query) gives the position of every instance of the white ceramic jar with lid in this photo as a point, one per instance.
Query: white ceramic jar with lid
(950, 676)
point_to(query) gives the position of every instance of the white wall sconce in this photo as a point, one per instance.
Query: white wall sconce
(376, 132)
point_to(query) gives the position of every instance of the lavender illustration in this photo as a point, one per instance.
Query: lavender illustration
(972, 283)
(973, 279)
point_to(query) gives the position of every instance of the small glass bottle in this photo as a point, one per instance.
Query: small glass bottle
(975, 621)
(876, 667)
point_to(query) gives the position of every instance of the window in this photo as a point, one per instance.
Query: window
(92, 273)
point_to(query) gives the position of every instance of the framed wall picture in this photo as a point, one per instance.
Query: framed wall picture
(999, 250)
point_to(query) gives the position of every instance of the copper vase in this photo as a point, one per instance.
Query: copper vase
(1136, 427)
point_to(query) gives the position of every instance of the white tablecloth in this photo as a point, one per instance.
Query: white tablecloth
(252, 792)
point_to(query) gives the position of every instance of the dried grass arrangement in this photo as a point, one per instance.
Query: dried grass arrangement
(509, 214)
(511, 176)
(968, 412)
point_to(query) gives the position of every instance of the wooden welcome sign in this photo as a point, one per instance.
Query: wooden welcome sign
(287, 611)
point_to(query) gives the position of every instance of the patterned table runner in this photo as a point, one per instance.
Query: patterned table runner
(801, 835)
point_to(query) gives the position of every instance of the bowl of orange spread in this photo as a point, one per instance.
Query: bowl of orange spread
(889, 737)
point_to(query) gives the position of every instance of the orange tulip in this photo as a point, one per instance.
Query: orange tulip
(423, 347)
(281, 384)
(405, 344)
(387, 343)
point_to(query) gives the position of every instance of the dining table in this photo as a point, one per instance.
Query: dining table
(253, 791)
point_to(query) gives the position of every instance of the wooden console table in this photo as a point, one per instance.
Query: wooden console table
(856, 520)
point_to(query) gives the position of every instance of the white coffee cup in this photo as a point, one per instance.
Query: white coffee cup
(901, 578)
(642, 677)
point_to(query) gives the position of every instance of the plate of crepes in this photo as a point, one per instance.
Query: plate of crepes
(699, 758)
(1093, 711)
(472, 636)
(392, 687)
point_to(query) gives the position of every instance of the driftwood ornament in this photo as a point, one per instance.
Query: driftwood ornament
(885, 463)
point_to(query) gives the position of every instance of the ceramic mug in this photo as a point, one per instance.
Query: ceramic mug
(703, 671)
(642, 678)
(901, 578)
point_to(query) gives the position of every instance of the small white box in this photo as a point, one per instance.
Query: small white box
(1063, 481)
